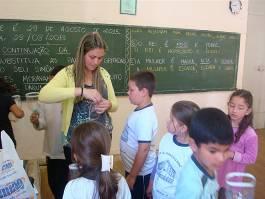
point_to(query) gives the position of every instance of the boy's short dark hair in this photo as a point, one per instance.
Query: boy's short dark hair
(144, 79)
(211, 125)
(56, 69)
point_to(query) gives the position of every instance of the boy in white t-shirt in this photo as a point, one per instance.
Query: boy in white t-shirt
(137, 140)
(211, 134)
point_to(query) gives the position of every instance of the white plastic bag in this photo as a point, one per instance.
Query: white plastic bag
(14, 182)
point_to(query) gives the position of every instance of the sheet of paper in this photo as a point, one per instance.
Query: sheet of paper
(128, 7)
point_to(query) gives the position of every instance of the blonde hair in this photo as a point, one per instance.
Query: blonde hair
(88, 42)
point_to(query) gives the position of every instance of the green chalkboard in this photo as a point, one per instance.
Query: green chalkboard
(183, 60)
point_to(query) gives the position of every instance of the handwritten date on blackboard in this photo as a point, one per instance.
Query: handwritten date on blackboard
(182, 60)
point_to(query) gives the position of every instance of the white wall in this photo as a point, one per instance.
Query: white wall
(189, 14)
(254, 68)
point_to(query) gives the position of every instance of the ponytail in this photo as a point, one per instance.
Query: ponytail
(90, 142)
(243, 125)
(108, 184)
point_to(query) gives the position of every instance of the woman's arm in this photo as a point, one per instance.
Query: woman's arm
(60, 88)
(111, 94)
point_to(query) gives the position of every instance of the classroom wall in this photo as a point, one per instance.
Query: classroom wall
(254, 67)
(189, 14)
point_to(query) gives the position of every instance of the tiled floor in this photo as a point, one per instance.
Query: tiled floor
(45, 189)
(258, 170)
(32, 169)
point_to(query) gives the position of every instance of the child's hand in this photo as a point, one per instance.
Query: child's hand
(149, 190)
(34, 118)
(130, 181)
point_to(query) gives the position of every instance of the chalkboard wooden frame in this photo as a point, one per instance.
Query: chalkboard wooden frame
(183, 60)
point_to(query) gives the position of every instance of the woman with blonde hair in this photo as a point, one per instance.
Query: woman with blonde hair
(84, 88)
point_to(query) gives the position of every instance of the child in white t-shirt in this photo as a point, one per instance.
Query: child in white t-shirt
(137, 144)
(90, 149)
(210, 134)
(174, 151)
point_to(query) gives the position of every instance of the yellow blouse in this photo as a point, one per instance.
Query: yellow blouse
(62, 89)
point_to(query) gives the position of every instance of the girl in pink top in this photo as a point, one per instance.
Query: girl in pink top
(245, 147)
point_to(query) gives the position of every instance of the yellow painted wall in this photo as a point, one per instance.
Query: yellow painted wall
(188, 14)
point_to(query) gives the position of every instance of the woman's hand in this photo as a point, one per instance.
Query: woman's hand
(102, 106)
(92, 94)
